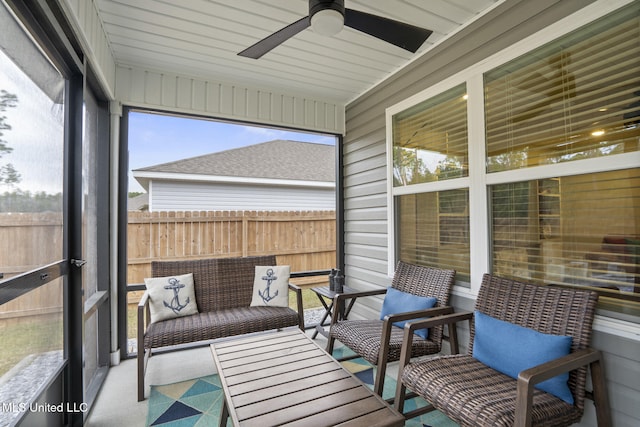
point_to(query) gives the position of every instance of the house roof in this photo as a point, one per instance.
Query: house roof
(272, 160)
(139, 202)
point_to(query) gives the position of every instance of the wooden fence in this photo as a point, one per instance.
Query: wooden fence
(304, 240)
(29, 241)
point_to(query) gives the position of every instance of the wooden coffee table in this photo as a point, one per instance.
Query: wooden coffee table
(284, 378)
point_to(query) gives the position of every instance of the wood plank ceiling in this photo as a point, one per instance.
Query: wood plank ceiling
(201, 38)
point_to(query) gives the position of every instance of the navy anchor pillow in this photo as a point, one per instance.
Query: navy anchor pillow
(171, 297)
(271, 286)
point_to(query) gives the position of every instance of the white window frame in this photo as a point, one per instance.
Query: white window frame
(479, 180)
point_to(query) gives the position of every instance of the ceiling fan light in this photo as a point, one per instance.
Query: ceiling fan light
(327, 22)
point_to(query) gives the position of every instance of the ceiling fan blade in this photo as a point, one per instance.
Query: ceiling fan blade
(265, 45)
(406, 36)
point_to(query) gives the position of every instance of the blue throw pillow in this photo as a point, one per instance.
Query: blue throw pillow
(396, 301)
(510, 349)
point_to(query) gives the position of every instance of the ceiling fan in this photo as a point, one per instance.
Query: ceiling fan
(327, 17)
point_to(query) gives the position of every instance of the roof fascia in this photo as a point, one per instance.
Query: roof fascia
(230, 179)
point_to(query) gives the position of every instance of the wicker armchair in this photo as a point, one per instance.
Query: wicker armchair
(377, 341)
(473, 394)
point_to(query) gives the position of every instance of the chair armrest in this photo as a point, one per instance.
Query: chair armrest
(528, 378)
(557, 366)
(339, 298)
(447, 318)
(143, 309)
(418, 314)
(299, 307)
(390, 319)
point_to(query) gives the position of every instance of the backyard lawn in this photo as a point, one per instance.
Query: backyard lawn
(21, 337)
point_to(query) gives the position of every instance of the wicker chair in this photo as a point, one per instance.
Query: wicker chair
(377, 341)
(473, 394)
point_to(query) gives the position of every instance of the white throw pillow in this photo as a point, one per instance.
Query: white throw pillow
(271, 286)
(171, 297)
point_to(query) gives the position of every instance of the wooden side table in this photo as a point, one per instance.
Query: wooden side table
(324, 292)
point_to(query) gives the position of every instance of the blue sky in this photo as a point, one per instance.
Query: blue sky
(155, 139)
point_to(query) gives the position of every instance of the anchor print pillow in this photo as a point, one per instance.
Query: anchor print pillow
(171, 297)
(271, 286)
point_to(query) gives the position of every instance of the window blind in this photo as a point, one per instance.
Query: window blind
(433, 230)
(575, 98)
(430, 139)
(581, 230)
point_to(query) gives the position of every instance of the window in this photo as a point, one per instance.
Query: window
(433, 230)
(573, 230)
(430, 140)
(430, 146)
(545, 183)
(571, 100)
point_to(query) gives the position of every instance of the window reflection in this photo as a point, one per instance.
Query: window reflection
(571, 99)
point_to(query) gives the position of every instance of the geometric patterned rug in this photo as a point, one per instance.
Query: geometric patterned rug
(366, 373)
(188, 403)
(198, 402)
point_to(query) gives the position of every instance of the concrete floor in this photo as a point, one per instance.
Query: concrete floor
(117, 404)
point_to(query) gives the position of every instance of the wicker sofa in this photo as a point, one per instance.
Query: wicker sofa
(223, 290)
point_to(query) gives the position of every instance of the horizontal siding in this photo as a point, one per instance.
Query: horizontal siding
(365, 185)
(183, 94)
(182, 196)
(622, 370)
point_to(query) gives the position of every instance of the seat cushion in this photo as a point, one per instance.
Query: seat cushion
(472, 394)
(363, 337)
(219, 324)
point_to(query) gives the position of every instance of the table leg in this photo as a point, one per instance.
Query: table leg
(327, 312)
(348, 310)
(224, 415)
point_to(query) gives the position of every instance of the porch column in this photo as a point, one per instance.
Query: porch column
(115, 108)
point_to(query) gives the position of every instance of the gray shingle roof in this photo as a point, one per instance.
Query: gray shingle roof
(277, 159)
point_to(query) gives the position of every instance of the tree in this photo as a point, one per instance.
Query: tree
(8, 174)
(408, 168)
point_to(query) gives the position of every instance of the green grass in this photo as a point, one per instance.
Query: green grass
(309, 300)
(21, 337)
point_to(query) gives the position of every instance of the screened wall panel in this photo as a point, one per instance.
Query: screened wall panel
(32, 273)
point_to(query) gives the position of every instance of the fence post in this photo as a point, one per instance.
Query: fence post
(245, 235)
